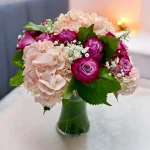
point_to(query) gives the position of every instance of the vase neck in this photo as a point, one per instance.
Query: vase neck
(75, 96)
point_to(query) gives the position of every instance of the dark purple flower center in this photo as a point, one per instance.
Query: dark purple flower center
(86, 68)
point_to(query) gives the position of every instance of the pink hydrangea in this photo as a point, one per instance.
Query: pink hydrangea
(129, 83)
(46, 72)
(75, 19)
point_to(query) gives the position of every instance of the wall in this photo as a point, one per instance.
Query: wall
(113, 9)
(145, 19)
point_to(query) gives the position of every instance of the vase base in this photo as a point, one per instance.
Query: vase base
(70, 134)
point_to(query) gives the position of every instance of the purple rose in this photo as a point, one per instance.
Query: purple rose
(85, 69)
(95, 48)
(122, 49)
(25, 40)
(110, 34)
(46, 36)
(125, 65)
(66, 36)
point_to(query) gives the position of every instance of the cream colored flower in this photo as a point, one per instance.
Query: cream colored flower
(75, 19)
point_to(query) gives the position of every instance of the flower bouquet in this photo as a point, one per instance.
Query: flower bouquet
(76, 59)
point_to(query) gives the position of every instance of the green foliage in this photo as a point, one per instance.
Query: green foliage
(96, 92)
(46, 109)
(32, 26)
(17, 79)
(85, 33)
(110, 46)
(125, 36)
(17, 59)
(94, 96)
(108, 82)
(72, 86)
(116, 95)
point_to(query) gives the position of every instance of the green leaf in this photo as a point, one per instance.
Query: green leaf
(108, 82)
(17, 59)
(110, 46)
(49, 22)
(46, 109)
(72, 86)
(94, 96)
(32, 26)
(96, 92)
(116, 95)
(17, 79)
(125, 35)
(85, 33)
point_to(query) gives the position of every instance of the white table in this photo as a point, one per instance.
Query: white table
(124, 126)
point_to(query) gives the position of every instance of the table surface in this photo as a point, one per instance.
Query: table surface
(123, 126)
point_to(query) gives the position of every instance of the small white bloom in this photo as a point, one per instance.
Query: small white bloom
(61, 45)
(87, 55)
(119, 75)
(48, 29)
(109, 74)
(83, 51)
(70, 59)
(117, 60)
(56, 42)
(86, 49)
(74, 41)
(19, 36)
(113, 64)
(122, 73)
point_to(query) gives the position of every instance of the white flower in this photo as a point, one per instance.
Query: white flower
(87, 55)
(19, 36)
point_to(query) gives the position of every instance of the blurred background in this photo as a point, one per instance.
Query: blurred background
(131, 14)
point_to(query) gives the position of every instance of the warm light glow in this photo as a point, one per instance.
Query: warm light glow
(119, 22)
(122, 24)
(123, 20)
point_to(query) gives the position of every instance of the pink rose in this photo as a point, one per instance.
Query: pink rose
(85, 69)
(95, 48)
(125, 65)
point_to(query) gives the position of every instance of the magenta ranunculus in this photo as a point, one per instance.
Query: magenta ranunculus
(66, 36)
(33, 36)
(110, 34)
(85, 69)
(125, 65)
(42, 37)
(46, 36)
(25, 40)
(95, 48)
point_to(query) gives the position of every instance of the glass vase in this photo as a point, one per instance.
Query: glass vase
(73, 119)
